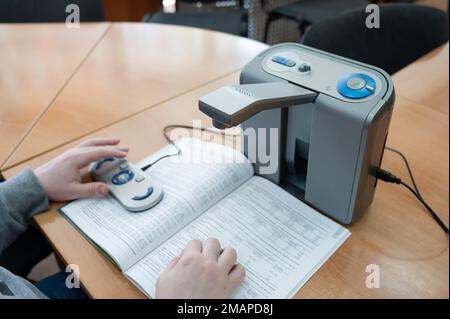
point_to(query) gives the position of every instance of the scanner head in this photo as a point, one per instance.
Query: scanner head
(231, 105)
(219, 125)
(332, 116)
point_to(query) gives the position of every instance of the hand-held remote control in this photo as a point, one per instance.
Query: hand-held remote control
(127, 183)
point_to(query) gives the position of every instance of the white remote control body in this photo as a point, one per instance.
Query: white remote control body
(127, 183)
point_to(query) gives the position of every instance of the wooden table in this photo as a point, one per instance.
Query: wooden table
(36, 61)
(131, 68)
(396, 233)
(426, 80)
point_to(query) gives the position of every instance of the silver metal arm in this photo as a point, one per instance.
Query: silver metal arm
(231, 105)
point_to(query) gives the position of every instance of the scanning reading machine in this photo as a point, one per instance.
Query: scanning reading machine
(332, 116)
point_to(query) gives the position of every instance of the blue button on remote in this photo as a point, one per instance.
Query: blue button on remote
(103, 161)
(122, 177)
(147, 194)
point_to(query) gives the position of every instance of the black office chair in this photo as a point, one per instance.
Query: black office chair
(308, 12)
(14, 11)
(233, 21)
(407, 31)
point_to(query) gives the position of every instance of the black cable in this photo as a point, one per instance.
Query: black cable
(408, 167)
(433, 214)
(388, 177)
(172, 142)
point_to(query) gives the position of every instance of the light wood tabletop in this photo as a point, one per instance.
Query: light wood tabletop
(36, 61)
(396, 233)
(134, 67)
(426, 80)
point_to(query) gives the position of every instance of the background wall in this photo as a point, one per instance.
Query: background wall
(129, 10)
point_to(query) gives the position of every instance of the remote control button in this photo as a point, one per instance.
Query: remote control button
(356, 86)
(123, 165)
(103, 161)
(283, 61)
(122, 177)
(147, 194)
(139, 178)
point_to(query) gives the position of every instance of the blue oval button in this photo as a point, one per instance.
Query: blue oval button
(147, 194)
(103, 161)
(122, 177)
(356, 86)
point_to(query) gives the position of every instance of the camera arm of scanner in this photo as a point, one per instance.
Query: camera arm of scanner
(231, 105)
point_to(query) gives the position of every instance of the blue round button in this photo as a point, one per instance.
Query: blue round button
(122, 177)
(356, 86)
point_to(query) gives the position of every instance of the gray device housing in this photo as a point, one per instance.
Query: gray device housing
(329, 146)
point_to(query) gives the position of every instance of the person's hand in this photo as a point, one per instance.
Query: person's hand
(201, 271)
(61, 177)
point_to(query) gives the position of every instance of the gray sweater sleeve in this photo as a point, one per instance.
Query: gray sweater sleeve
(20, 198)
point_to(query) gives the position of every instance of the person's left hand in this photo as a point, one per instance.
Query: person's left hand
(202, 270)
(61, 177)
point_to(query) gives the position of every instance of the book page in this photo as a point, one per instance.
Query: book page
(190, 187)
(279, 240)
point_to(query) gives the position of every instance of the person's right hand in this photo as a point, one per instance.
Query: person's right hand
(201, 271)
(61, 177)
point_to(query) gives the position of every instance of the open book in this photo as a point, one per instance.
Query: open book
(210, 191)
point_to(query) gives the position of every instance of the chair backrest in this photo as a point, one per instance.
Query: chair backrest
(13, 11)
(407, 31)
